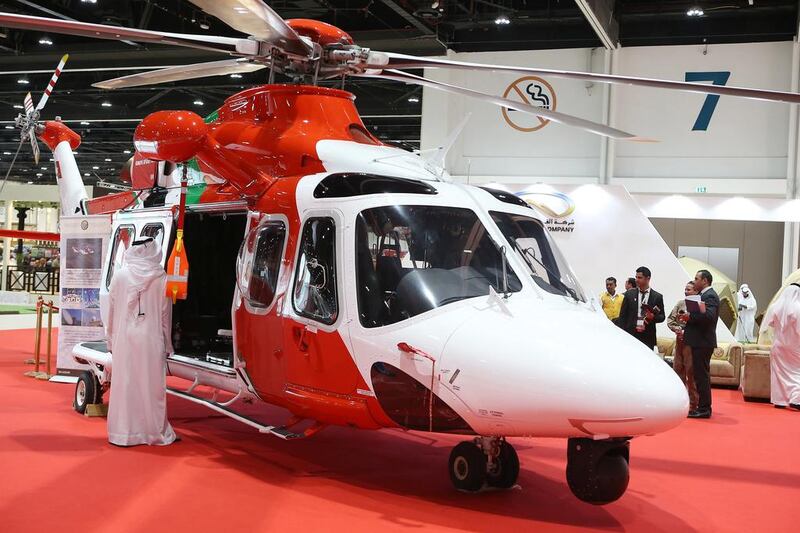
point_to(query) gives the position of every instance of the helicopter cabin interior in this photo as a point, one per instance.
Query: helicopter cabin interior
(201, 324)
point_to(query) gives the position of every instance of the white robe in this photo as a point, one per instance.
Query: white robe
(138, 332)
(746, 323)
(784, 318)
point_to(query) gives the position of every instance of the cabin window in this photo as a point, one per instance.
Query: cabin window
(266, 264)
(121, 242)
(154, 230)
(315, 280)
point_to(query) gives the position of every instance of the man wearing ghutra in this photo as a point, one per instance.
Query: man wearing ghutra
(138, 332)
(784, 318)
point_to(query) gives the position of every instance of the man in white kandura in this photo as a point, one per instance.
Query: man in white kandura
(784, 318)
(138, 332)
(746, 322)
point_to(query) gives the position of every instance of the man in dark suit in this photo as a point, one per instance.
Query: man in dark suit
(700, 334)
(642, 308)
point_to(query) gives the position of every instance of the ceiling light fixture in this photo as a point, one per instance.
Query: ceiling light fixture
(86, 174)
(39, 174)
(413, 100)
(23, 81)
(108, 160)
(502, 20)
(106, 104)
(198, 102)
(17, 106)
(88, 1)
(236, 76)
(84, 123)
(9, 127)
(30, 183)
(126, 151)
(95, 168)
(46, 41)
(695, 12)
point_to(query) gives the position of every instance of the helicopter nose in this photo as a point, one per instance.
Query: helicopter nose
(576, 376)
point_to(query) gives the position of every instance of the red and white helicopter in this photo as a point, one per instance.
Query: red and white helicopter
(352, 282)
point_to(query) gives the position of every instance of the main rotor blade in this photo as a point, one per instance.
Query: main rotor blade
(555, 116)
(390, 60)
(255, 18)
(182, 72)
(102, 31)
(53, 80)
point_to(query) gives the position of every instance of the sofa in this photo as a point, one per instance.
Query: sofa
(756, 374)
(726, 361)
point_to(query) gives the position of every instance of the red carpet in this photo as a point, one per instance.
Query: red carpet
(739, 471)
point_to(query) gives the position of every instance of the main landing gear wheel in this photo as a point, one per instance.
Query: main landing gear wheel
(505, 470)
(467, 467)
(87, 390)
(485, 460)
(597, 470)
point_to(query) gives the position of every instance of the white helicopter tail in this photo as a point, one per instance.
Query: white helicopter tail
(62, 141)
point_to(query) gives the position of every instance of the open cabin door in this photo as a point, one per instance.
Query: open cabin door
(127, 227)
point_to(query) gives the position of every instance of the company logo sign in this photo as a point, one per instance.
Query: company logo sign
(557, 206)
(530, 90)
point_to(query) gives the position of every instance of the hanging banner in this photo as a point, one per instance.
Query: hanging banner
(84, 243)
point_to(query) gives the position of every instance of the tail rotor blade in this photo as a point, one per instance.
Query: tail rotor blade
(53, 80)
(34, 147)
(28, 104)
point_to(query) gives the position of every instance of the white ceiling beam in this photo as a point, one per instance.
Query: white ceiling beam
(600, 14)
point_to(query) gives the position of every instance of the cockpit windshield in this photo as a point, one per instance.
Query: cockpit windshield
(414, 258)
(535, 247)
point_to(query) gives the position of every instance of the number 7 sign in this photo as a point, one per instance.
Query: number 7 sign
(710, 103)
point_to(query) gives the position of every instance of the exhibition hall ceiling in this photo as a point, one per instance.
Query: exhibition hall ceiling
(392, 111)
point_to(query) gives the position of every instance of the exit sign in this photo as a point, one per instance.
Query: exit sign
(700, 189)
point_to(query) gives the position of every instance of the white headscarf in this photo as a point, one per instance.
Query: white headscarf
(749, 300)
(143, 262)
(785, 312)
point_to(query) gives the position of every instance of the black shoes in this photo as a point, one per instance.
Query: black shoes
(697, 413)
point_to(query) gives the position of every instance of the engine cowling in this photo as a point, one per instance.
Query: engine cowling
(174, 136)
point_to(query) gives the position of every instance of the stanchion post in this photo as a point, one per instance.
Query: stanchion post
(38, 340)
(49, 338)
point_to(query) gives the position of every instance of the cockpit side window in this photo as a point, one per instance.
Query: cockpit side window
(529, 239)
(411, 259)
(315, 280)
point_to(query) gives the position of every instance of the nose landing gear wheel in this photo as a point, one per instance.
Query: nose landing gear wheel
(87, 390)
(597, 471)
(467, 467)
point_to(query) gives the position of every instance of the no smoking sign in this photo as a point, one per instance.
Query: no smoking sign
(530, 90)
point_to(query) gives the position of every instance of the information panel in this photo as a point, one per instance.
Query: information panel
(84, 243)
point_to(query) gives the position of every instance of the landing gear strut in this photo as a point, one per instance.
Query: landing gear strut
(597, 470)
(489, 460)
